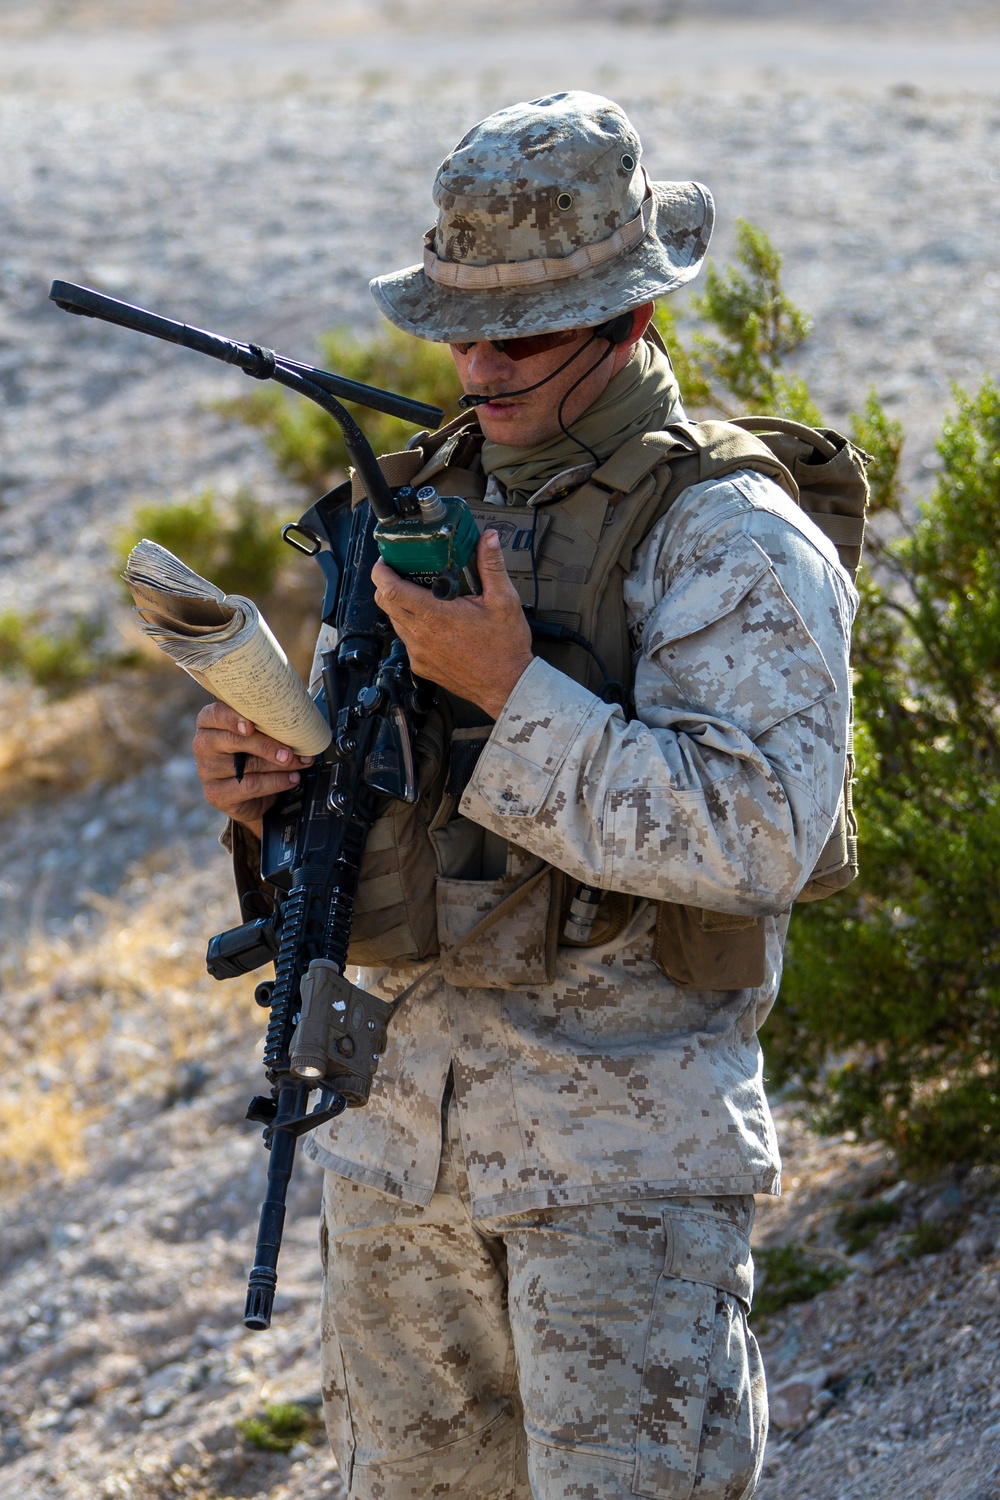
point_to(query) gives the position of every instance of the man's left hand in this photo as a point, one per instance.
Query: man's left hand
(476, 647)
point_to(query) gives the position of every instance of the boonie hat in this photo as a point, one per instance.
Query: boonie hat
(547, 221)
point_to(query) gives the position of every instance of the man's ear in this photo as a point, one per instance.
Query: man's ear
(641, 319)
(625, 346)
(616, 330)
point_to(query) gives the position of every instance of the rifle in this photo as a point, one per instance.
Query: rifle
(324, 1033)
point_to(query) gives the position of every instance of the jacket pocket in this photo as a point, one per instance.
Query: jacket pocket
(700, 1360)
(517, 952)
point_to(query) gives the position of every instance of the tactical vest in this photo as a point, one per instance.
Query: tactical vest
(584, 536)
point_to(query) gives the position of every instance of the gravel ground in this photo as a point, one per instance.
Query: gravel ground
(125, 1367)
(248, 166)
(267, 223)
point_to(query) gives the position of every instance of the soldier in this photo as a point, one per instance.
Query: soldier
(536, 1236)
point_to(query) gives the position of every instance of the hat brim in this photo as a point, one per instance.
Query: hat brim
(670, 255)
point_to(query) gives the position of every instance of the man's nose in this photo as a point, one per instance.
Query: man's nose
(487, 364)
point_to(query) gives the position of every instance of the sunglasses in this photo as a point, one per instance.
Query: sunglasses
(523, 348)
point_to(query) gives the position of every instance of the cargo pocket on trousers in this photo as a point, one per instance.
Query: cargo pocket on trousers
(675, 1373)
(681, 1365)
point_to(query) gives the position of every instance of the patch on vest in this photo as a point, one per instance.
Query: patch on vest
(515, 536)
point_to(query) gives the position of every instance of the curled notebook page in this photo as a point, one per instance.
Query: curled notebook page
(223, 642)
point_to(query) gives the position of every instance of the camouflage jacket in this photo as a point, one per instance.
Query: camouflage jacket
(611, 1082)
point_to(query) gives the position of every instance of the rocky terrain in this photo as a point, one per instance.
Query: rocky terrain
(247, 167)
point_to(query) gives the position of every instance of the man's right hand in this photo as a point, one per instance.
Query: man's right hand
(270, 767)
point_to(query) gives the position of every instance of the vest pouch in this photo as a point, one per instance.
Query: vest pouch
(710, 950)
(614, 913)
(518, 952)
(394, 919)
(837, 866)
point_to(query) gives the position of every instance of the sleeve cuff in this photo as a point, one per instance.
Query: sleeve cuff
(541, 720)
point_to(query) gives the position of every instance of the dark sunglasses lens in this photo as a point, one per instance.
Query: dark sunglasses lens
(518, 349)
(536, 343)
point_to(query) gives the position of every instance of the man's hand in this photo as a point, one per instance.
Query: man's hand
(475, 647)
(270, 767)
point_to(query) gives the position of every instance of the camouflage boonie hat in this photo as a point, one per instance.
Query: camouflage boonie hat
(547, 220)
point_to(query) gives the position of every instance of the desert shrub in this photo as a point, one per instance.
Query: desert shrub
(42, 1133)
(748, 327)
(890, 1015)
(888, 1022)
(307, 443)
(930, 1239)
(58, 659)
(126, 1016)
(279, 1427)
(861, 1225)
(237, 546)
(787, 1274)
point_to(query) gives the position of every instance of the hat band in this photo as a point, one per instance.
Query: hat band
(521, 273)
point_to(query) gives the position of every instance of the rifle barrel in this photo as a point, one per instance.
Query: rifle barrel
(89, 303)
(264, 1276)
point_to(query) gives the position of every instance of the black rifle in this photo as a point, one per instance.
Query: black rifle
(323, 1033)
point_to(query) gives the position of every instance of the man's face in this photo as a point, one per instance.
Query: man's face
(524, 421)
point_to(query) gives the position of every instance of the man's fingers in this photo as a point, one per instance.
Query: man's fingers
(265, 783)
(241, 735)
(211, 741)
(218, 715)
(222, 767)
(497, 587)
(228, 794)
(489, 554)
(402, 599)
(395, 594)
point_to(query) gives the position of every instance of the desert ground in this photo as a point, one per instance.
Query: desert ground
(247, 167)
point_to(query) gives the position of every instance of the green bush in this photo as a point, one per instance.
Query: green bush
(931, 1239)
(787, 1274)
(279, 1427)
(59, 661)
(898, 978)
(888, 1022)
(236, 546)
(307, 443)
(862, 1225)
(749, 326)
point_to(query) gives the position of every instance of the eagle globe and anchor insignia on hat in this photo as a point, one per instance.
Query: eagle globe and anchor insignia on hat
(547, 221)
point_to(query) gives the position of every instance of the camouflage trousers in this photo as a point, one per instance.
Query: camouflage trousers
(561, 1354)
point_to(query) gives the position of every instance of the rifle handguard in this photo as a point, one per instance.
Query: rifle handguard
(341, 1033)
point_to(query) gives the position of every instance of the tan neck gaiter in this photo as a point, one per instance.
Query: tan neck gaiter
(640, 398)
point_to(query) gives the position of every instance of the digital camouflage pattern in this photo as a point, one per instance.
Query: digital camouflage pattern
(610, 1080)
(518, 953)
(570, 1354)
(577, 190)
